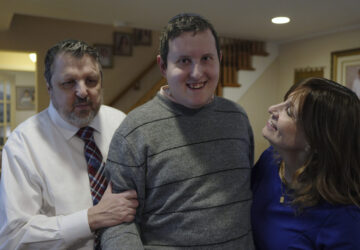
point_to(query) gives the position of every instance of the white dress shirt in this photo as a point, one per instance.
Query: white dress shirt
(44, 187)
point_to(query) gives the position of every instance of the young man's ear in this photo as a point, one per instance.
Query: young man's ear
(220, 56)
(48, 87)
(162, 65)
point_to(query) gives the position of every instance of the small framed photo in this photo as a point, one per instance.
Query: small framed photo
(345, 68)
(25, 98)
(142, 37)
(303, 73)
(106, 54)
(123, 43)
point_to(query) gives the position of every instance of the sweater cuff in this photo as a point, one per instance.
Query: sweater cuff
(75, 226)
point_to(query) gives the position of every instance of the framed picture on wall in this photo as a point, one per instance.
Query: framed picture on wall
(123, 43)
(142, 37)
(25, 98)
(345, 68)
(303, 73)
(106, 54)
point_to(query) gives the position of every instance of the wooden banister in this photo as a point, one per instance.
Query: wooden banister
(133, 82)
(150, 94)
(237, 56)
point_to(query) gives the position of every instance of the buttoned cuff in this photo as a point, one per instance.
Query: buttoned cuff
(75, 226)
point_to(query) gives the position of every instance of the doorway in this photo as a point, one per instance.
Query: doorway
(17, 91)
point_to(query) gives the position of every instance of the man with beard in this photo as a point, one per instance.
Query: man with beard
(52, 160)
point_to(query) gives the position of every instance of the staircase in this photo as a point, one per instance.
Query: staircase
(247, 77)
(150, 94)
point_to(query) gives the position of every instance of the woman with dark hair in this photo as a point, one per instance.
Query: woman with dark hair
(306, 186)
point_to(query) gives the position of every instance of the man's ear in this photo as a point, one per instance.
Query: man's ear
(162, 65)
(220, 56)
(48, 87)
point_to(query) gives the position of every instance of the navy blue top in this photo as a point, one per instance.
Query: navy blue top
(276, 227)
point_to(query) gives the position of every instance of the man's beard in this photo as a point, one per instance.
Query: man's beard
(83, 120)
(85, 116)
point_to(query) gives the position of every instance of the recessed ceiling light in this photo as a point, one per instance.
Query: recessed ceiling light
(280, 20)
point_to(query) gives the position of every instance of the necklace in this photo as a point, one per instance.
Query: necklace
(283, 181)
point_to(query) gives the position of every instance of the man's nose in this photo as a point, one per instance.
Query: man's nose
(197, 71)
(81, 89)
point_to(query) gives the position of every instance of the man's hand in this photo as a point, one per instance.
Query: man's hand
(113, 209)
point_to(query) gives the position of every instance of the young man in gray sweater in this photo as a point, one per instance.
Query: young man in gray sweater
(187, 153)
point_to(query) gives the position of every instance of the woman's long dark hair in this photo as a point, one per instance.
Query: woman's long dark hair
(330, 116)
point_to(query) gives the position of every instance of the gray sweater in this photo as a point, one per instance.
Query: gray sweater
(191, 170)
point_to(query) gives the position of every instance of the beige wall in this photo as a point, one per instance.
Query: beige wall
(16, 61)
(256, 101)
(36, 34)
(277, 79)
(315, 52)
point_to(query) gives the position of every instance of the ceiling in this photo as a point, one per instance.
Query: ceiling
(245, 19)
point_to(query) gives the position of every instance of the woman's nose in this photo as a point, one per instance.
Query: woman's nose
(274, 110)
(271, 109)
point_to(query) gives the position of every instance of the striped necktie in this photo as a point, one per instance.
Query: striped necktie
(98, 182)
